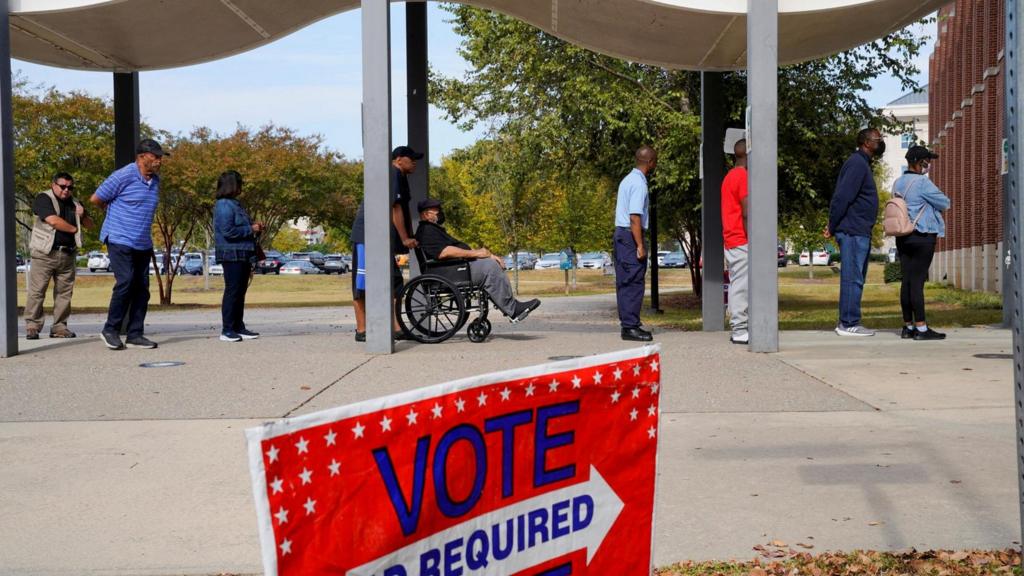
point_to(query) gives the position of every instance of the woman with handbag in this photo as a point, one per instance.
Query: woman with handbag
(235, 239)
(925, 203)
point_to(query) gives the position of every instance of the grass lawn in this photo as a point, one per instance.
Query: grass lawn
(804, 303)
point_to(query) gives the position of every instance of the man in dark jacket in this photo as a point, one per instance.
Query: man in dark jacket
(851, 217)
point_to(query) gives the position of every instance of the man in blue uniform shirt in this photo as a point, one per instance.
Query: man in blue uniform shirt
(630, 254)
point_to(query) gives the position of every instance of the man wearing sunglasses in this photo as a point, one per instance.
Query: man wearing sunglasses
(56, 239)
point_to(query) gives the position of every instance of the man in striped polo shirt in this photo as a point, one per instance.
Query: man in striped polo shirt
(130, 196)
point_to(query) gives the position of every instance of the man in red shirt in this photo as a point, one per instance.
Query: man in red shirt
(734, 234)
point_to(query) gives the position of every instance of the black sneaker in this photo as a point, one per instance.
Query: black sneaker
(140, 342)
(523, 310)
(637, 335)
(112, 341)
(907, 332)
(928, 334)
(360, 336)
(247, 334)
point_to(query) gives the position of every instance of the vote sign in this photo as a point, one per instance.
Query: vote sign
(548, 470)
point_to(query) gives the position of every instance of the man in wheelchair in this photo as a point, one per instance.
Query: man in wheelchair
(486, 269)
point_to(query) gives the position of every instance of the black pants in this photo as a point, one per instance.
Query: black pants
(916, 253)
(232, 307)
(131, 289)
(629, 278)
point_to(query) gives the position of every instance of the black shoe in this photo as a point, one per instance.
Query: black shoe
(399, 335)
(907, 332)
(637, 334)
(523, 310)
(360, 336)
(31, 334)
(928, 334)
(247, 334)
(112, 341)
(140, 342)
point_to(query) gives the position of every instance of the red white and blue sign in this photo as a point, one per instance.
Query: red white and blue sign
(541, 471)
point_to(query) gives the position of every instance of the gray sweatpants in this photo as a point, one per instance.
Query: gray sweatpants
(736, 260)
(487, 273)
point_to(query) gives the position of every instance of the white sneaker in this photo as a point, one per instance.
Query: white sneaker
(740, 338)
(857, 330)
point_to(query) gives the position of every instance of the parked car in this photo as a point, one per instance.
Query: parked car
(272, 263)
(783, 259)
(548, 261)
(892, 256)
(316, 258)
(299, 267)
(18, 259)
(23, 268)
(661, 256)
(98, 261)
(214, 268)
(334, 264)
(192, 264)
(524, 261)
(674, 260)
(820, 257)
(596, 260)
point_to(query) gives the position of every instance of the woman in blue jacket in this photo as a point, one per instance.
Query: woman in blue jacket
(925, 203)
(235, 237)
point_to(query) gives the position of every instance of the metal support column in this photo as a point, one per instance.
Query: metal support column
(1012, 237)
(653, 229)
(712, 167)
(418, 108)
(376, 24)
(126, 117)
(762, 140)
(8, 279)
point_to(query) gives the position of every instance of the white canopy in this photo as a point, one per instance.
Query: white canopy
(133, 35)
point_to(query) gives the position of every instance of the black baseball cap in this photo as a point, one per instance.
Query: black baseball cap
(407, 152)
(918, 153)
(428, 203)
(151, 146)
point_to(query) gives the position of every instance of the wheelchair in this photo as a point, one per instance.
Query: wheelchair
(435, 305)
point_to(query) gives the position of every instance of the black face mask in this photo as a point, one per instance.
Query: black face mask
(440, 218)
(880, 150)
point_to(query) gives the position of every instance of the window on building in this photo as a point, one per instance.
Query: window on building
(907, 140)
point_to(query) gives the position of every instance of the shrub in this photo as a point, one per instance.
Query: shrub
(893, 272)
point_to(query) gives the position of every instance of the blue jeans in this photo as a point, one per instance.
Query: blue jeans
(629, 278)
(854, 253)
(130, 296)
(236, 284)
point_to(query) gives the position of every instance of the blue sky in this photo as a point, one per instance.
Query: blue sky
(309, 81)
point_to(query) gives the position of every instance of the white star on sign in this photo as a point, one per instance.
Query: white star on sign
(330, 437)
(335, 467)
(654, 388)
(310, 506)
(615, 396)
(650, 432)
(358, 430)
(411, 417)
(529, 389)
(481, 400)
(636, 392)
(597, 377)
(654, 365)
(437, 410)
(505, 394)
(651, 410)
(553, 386)
(286, 547)
(576, 382)
(632, 414)
(272, 454)
(460, 405)
(636, 370)
(307, 476)
(302, 445)
(617, 373)
(275, 486)
(385, 424)
(282, 516)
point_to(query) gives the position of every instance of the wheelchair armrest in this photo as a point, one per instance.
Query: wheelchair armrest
(428, 264)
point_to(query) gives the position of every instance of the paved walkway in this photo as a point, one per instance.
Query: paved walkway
(110, 468)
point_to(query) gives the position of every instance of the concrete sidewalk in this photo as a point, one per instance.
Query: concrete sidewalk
(111, 468)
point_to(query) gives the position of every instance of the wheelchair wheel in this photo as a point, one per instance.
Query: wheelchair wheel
(479, 330)
(432, 309)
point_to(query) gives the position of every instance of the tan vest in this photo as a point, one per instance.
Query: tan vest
(43, 234)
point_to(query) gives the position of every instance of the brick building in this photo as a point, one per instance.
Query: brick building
(966, 111)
